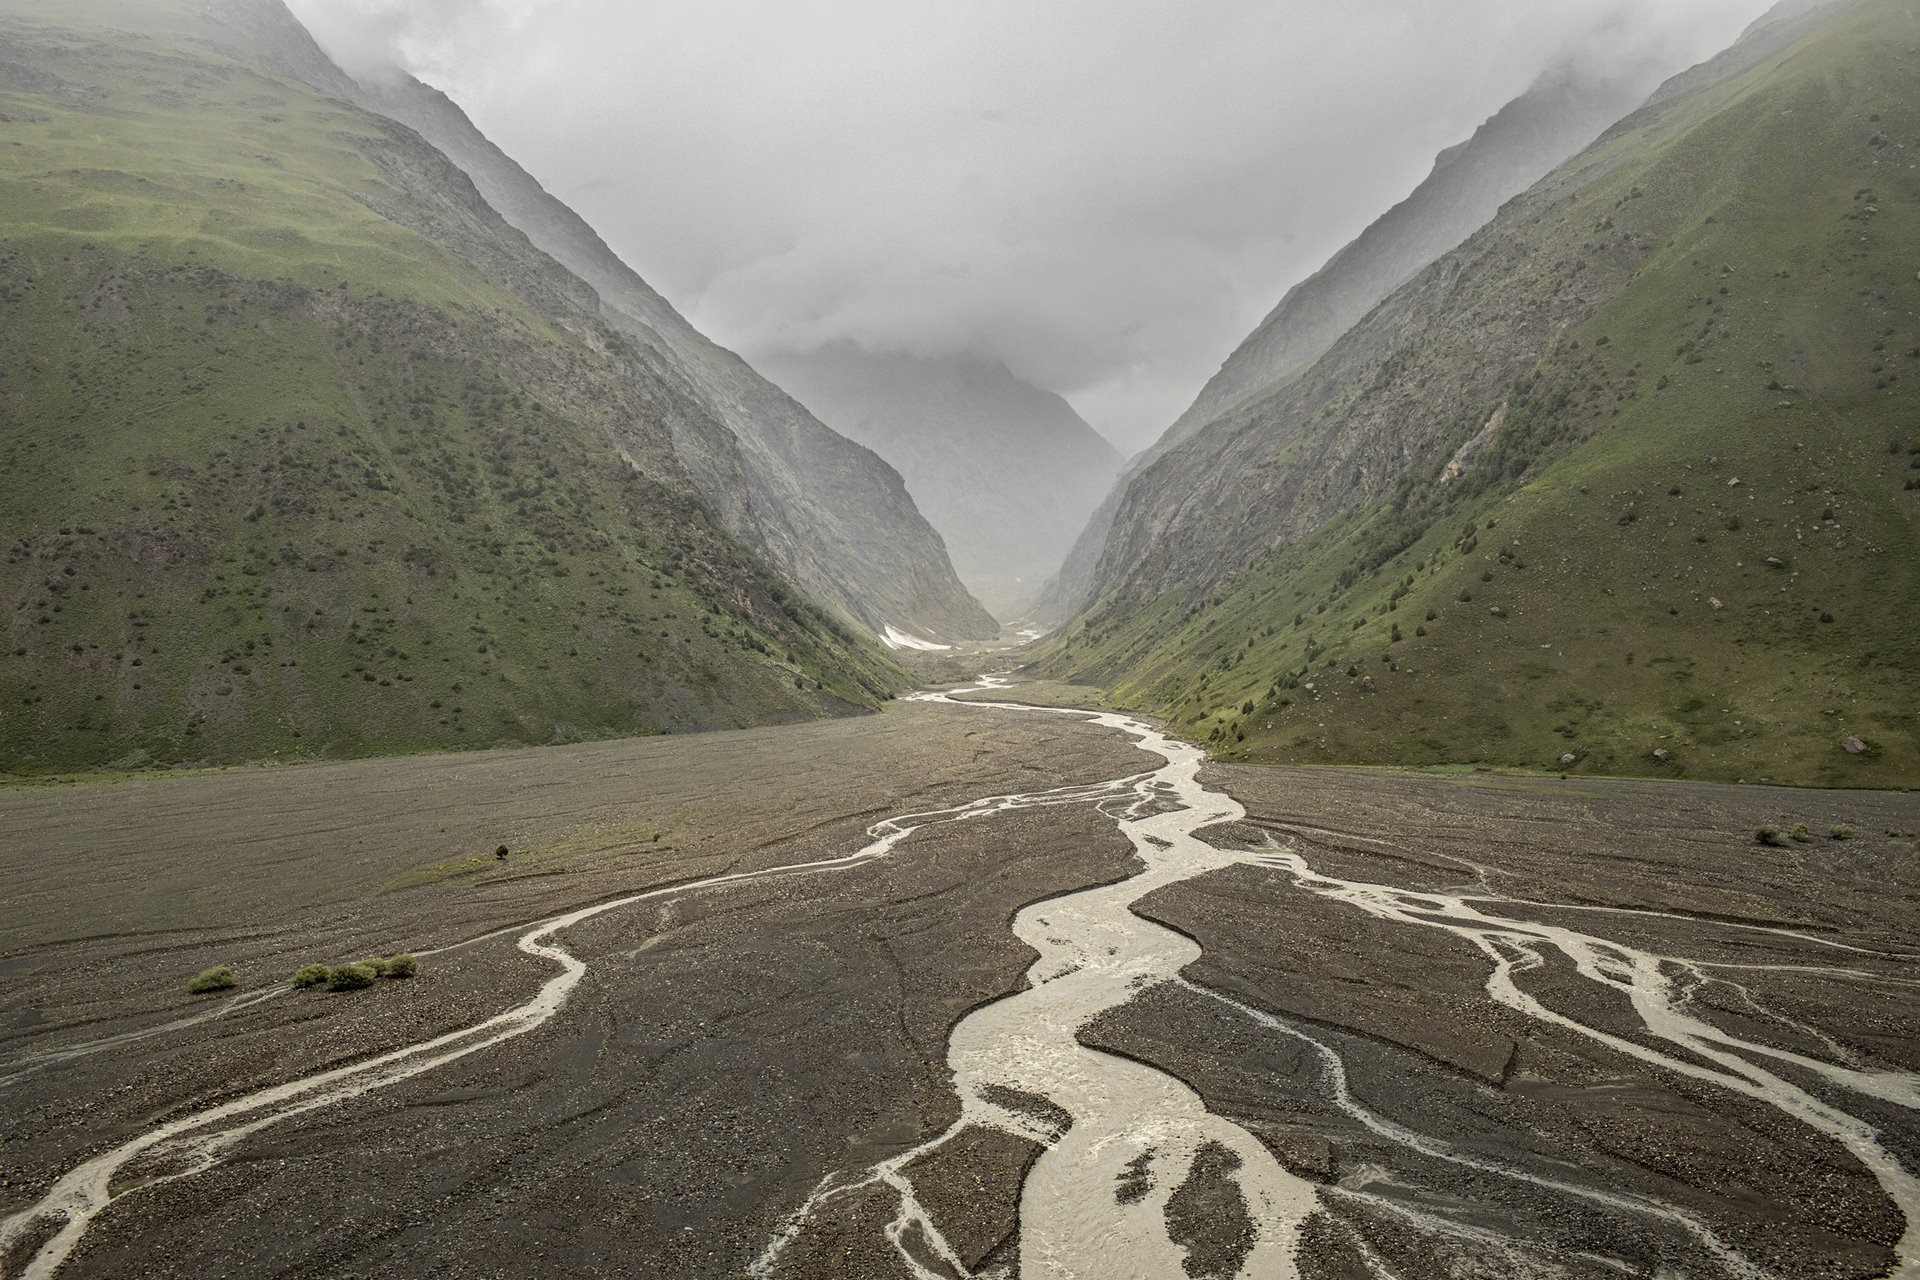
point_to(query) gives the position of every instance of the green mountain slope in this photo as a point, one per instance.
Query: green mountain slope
(1633, 476)
(305, 451)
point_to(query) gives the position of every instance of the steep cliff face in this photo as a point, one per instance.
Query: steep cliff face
(1562, 113)
(822, 509)
(1623, 477)
(306, 451)
(1006, 472)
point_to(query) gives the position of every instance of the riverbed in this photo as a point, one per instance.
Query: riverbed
(967, 989)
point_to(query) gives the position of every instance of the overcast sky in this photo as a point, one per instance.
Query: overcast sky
(1107, 194)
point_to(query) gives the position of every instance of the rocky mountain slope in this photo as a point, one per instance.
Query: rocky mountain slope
(823, 510)
(1006, 472)
(1624, 478)
(1558, 116)
(304, 450)
(1564, 111)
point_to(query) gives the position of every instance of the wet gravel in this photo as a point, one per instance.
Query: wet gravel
(730, 1048)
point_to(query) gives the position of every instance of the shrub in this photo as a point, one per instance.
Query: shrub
(352, 977)
(218, 978)
(402, 965)
(311, 975)
(376, 964)
(501, 853)
(1800, 833)
(1767, 833)
(1840, 831)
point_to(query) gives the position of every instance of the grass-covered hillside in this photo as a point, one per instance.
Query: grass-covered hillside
(303, 451)
(1648, 493)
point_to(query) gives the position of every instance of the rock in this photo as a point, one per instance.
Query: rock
(1367, 684)
(1715, 602)
(1734, 483)
(1776, 562)
(1854, 746)
(1660, 753)
(1567, 759)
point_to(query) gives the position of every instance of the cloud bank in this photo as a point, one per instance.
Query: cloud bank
(1105, 194)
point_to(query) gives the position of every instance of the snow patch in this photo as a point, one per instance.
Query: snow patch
(894, 638)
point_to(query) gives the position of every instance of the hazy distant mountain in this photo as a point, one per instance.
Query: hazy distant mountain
(1006, 472)
(303, 450)
(821, 509)
(1564, 111)
(1630, 478)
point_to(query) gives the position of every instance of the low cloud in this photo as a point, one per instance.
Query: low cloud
(1106, 195)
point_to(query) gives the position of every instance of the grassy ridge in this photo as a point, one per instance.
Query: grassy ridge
(1691, 544)
(284, 475)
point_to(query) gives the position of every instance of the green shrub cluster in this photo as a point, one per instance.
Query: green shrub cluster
(312, 975)
(358, 975)
(218, 978)
(352, 977)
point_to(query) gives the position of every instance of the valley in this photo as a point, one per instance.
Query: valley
(494, 783)
(1308, 1022)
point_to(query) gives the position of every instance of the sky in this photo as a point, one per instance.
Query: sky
(1108, 195)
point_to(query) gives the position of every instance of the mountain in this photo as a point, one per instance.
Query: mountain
(1006, 472)
(821, 509)
(1562, 112)
(306, 451)
(1631, 476)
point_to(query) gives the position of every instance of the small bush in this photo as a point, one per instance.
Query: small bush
(1800, 832)
(1840, 831)
(311, 975)
(376, 964)
(501, 853)
(218, 978)
(352, 977)
(402, 965)
(1767, 833)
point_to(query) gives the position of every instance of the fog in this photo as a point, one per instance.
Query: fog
(1107, 196)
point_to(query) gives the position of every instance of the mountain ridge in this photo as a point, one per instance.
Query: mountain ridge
(825, 510)
(1642, 373)
(309, 453)
(1567, 108)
